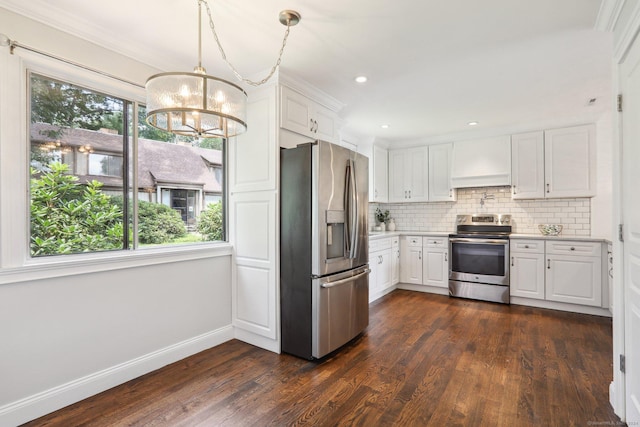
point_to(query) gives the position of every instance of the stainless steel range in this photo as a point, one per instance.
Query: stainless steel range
(478, 257)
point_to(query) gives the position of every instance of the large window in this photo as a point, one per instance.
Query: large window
(86, 185)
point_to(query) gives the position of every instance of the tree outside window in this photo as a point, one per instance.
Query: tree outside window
(81, 176)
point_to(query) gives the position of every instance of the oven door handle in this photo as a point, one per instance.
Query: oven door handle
(480, 241)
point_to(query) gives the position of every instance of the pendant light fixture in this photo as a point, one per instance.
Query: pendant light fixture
(199, 105)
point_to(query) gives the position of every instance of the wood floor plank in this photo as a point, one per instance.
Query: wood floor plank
(424, 360)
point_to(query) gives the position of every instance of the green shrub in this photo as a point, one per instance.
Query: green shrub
(210, 222)
(69, 217)
(158, 223)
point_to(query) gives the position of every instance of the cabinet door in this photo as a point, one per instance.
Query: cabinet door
(440, 189)
(417, 177)
(380, 187)
(527, 165)
(384, 271)
(574, 279)
(325, 125)
(570, 162)
(296, 111)
(411, 266)
(411, 260)
(395, 261)
(374, 262)
(398, 191)
(527, 275)
(435, 268)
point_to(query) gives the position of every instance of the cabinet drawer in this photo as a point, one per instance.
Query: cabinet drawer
(574, 248)
(435, 242)
(413, 241)
(527, 246)
(379, 245)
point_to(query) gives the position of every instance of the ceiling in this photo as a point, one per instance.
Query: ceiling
(433, 65)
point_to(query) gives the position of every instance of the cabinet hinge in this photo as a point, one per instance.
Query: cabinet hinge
(620, 103)
(621, 232)
(622, 363)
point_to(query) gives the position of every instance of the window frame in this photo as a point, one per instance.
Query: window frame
(16, 262)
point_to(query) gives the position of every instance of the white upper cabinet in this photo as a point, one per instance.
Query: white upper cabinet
(379, 182)
(306, 117)
(408, 175)
(527, 165)
(482, 162)
(440, 188)
(570, 162)
(554, 163)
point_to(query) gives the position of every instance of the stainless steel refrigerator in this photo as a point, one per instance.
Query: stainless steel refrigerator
(324, 275)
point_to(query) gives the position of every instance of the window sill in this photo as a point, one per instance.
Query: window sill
(69, 265)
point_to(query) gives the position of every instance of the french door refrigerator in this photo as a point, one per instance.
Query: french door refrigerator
(324, 275)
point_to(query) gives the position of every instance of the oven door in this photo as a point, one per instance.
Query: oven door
(479, 260)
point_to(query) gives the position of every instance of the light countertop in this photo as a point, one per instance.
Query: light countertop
(374, 235)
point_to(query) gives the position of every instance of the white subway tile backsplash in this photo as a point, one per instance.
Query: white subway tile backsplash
(573, 214)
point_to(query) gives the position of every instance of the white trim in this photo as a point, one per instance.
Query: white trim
(627, 35)
(39, 404)
(71, 265)
(423, 288)
(608, 14)
(257, 340)
(310, 91)
(553, 305)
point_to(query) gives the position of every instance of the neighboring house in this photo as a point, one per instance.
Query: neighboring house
(183, 177)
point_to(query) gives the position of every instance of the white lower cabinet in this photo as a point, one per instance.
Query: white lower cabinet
(411, 259)
(574, 272)
(395, 260)
(527, 268)
(435, 261)
(381, 265)
(558, 270)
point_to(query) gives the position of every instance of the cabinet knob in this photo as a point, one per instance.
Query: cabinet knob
(512, 264)
(526, 246)
(572, 248)
(547, 188)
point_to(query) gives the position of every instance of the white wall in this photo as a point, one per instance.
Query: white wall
(66, 338)
(68, 331)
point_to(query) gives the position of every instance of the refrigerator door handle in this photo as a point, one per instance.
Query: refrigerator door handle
(347, 280)
(351, 207)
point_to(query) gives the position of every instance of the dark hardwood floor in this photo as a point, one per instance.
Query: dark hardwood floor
(424, 360)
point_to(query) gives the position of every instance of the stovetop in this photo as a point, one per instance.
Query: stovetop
(483, 225)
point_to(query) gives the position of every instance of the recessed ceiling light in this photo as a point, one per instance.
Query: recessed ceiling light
(361, 79)
(385, 126)
(472, 123)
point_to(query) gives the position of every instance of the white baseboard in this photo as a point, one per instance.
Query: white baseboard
(45, 402)
(257, 340)
(424, 288)
(554, 305)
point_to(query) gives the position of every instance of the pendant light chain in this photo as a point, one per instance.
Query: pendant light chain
(224, 55)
